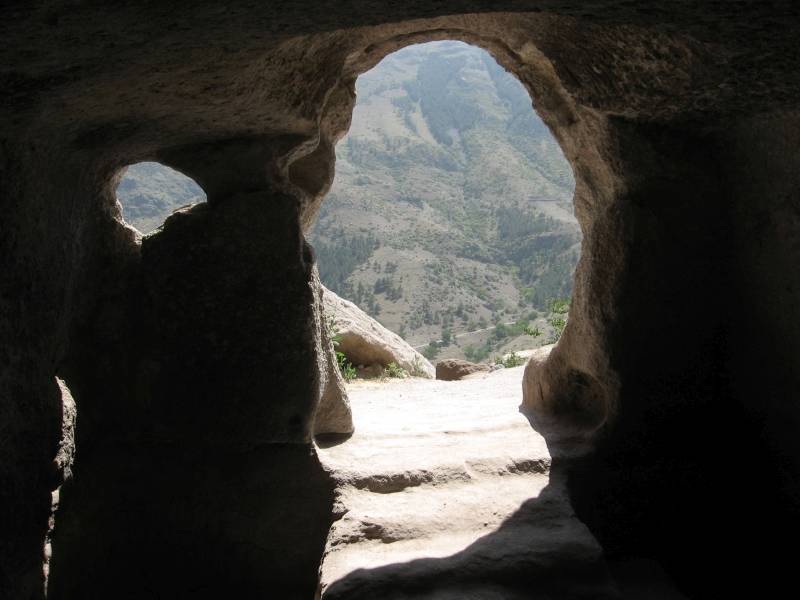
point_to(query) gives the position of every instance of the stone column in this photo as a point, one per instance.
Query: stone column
(214, 488)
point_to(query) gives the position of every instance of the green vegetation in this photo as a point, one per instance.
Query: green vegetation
(560, 306)
(340, 256)
(558, 324)
(477, 354)
(346, 368)
(510, 361)
(430, 351)
(559, 309)
(532, 331)
(388, 287)
(517, 328)
(500, 335)
(394, 371)
(447, 336)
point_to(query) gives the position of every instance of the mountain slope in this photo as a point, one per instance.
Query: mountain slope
(452, 203)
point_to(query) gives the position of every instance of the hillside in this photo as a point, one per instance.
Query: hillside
(452, 204)
(451, 210)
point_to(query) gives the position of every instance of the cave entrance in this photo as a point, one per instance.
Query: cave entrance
(449, 223)
(450, 219)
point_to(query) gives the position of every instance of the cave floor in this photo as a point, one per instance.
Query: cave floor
(445, 491)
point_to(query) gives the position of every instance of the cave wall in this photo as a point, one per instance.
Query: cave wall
(42, 241)
(697, 467)
(660, 473)
(762, 170)
(192, 355)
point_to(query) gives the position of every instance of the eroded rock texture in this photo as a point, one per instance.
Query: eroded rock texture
(194, 358)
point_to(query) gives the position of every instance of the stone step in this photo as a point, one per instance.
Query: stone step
(429, 511)
(483, 538)
(445, 491)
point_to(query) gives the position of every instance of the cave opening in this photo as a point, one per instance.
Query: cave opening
(448, 236)
(148, 192)
(450, 219)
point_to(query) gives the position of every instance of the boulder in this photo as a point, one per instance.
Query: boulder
(366, 342)
(453, 369)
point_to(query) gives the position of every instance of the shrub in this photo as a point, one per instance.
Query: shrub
(447, 336)
(510, 361)
(430, 351)
(395, 371)
(560, 306)
(346, 368)
(558, 324)
(477, 354)
(532, 331)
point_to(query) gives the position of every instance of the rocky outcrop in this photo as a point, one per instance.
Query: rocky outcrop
(366, 342)
(453, 369)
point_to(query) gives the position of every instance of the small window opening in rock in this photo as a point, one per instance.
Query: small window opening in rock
(149, 192)
(450, 220)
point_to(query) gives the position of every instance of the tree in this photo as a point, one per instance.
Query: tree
(500, 331)
(430, 351)
(447, 336)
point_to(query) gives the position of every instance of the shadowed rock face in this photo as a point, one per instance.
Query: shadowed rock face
(200, 346)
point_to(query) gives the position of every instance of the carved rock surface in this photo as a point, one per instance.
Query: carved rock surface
(452, 369)
(364, 341)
